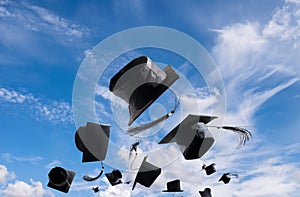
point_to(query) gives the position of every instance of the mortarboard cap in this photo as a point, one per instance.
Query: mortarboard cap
(226, 177)
(92, 141)
(147, 174)
(210, 169)
(173, 186)
(140, 83)
(205, 193)
(114, 177)
(60, 179)
(95, 189)
(192, 135)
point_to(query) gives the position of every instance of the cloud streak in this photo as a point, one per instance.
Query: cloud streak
(39, 19)
(12, 158)
(56, 112)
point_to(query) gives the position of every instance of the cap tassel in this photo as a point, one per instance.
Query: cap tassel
(88, 178)
(243, 133)
(143, 127)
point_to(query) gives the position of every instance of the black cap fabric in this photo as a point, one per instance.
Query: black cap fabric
(193, 135)
(147, 174)
(92, 141)
(114, 177)
(60, 179)
(140, 83)
(173, 186)
(226, 177)
(95, 189)
(205, 193)
(210, 169)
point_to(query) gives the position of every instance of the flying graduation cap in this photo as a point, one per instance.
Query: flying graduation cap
(147, 174)
(92, 141)
(173, 186)
(95, 189)
(226, 177)
(140, 83)
(205, 193)
(210, 169)
(192, 136)
(114, 177)
(60, 179)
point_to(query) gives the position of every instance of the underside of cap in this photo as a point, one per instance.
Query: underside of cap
(148, 93)
(189, 120)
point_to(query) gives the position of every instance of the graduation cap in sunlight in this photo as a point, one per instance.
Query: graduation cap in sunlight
(210, 169)
(192, 136)
(226, 177)
(92, 141)
(114, 177)
(205, 193)
(173, 186)
(147, 174)
(95, 189)
(140, 83)
(60, 179)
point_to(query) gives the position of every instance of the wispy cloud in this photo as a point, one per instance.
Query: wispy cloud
(53, 164)
(50, 21)
(39, 108)
(32, 20)
(12, 158)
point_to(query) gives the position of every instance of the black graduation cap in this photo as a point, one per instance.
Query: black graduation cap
(210, 169)
(140, 83)
(95, 189)
(226, 177)
(92, 141)
(60, 179)
(147, 174)
(173, 186)
(114, 177)
(192, 136)
(205, 193)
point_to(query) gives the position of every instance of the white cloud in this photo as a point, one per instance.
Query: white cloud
(116, 191)
(48, 20)
(53, 164)
(293, 1)
(13, 96)
(5, 13)
(10, 187)
(5, 175)
(248, 68)
(285, 23)
(26, 17)
(39, 108)
(20, 188)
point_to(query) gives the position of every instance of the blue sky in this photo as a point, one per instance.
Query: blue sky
(255, 47)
